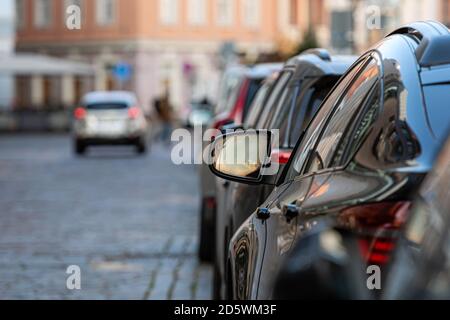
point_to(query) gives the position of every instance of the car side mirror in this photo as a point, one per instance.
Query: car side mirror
(244, 156)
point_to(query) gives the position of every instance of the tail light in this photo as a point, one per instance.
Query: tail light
(80, 113)
(376, 251)
(379, 223)
(281, 156)
(134, 112)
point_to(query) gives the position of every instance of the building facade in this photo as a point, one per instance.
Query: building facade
(169, 45)
(375, 18)
(6, 47)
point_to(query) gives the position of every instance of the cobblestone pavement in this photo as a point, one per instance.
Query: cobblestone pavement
(129, 222)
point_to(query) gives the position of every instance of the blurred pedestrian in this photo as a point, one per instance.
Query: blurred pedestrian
(164, 111)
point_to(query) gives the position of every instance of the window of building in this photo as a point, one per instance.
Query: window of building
(293, 12)
(43, 13)
(106, 12)
(196, 12)
(68, 3)
(20, 14)
(251, 13)
(225, 12)
(168, 11)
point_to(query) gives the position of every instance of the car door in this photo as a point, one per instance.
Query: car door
(311, 170)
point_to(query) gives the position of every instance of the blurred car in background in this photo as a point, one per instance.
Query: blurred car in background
(201, 114)
(366, 151)
(238, 89)
(109, 118)
(289, 106)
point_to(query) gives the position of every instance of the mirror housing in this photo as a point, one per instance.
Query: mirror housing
(244, 157)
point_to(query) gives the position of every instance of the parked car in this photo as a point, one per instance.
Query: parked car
(238, 90)
(289, 106)
(420, 265)
(370, 145)
(109, 118)
(200, 114)
(228, 89)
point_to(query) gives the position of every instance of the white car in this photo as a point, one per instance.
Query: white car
(109, 118)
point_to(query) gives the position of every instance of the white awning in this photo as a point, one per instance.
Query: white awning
(35, 64)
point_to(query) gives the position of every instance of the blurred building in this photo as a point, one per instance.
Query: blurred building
(153, 46)
(357, 24)
(21, 73)
(6, 48)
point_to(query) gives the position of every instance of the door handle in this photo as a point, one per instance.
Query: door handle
(263, 213)
(290, 211)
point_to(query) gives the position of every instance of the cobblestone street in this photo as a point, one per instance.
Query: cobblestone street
(130, 223)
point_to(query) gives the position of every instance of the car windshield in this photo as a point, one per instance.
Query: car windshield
(437, 97)
(107, 106)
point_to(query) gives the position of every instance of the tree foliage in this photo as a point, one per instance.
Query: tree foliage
(309, 42)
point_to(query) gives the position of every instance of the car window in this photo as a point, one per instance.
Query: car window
(270, 106)
(284, 121)
(342, 117)
(307, 105)
(355, 137)
(279, 108)
(107, 106)
(228, 93)
(257, 106)
(253, 88)
(283, 111)
(311, 135)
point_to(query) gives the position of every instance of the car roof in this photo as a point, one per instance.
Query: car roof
(322, 60)
(235, 70)
(110, 96)
(431, 42)
(263, 70)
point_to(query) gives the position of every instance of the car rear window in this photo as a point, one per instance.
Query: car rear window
(437, 99)
(107, 106)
